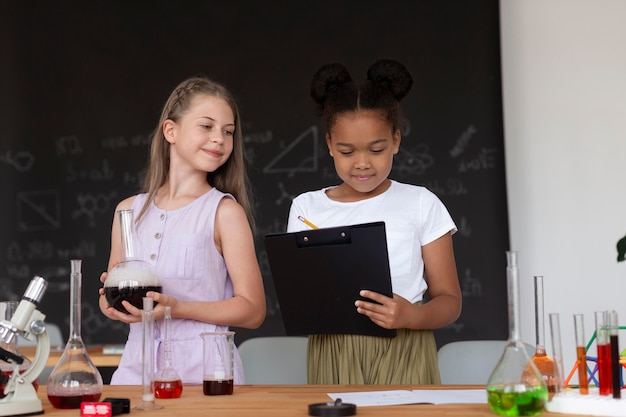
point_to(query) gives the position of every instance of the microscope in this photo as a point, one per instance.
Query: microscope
(20, 395)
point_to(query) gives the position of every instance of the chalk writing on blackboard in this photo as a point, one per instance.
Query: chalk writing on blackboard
(485, 159)
(462, 141)
(414, 161)
(38, 210)
(92, 205)
(68, 145)
(470, 286)
(285, 162)
(22, 161)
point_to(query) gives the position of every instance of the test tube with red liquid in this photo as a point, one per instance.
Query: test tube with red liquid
(604, 352)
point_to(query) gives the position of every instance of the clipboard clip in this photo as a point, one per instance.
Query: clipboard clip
(323, 237)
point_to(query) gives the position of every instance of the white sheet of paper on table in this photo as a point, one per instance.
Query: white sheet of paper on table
(398, 397)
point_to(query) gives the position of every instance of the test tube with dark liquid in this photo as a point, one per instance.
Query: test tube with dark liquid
(615, 365)
(604, 352)
(581, 353)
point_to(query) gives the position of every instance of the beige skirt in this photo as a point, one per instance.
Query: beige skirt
(408, 358)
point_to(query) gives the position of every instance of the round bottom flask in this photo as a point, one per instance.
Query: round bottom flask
(132, 278)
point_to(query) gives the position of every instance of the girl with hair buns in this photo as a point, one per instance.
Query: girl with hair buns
(361, 123)
(193, 224)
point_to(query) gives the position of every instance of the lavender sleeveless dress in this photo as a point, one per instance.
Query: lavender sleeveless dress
(179, 244)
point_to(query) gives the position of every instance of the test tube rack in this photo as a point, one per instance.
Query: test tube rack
(591, 373)
(592, 404)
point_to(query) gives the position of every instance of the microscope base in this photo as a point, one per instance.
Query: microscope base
(23, 402)
(21, 408)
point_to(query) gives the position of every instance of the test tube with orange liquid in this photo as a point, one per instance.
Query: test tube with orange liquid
(581, 353)
(542, 361)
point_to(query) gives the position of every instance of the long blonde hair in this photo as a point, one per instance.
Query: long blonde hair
(230, 178)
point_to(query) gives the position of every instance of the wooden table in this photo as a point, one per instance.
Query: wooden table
(277, 401)
(98, 358)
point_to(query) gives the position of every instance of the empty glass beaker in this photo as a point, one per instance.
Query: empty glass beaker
(132, 278)
(75, 378)
(515, 387)
(218, 362)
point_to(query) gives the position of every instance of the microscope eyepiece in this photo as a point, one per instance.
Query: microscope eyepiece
(36, 289)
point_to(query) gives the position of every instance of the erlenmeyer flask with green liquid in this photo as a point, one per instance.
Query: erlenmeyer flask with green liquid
(515, 387)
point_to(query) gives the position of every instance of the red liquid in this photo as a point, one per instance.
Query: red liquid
(133, 295)
(4, 380)
(582, 370)
(72, 401)
(223, 387)
(168, 389)
(604, 369)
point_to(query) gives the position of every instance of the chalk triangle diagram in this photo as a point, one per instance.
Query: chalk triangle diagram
(301, 155)
(38, 210)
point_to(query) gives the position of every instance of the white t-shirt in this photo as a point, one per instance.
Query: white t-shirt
(413, 217)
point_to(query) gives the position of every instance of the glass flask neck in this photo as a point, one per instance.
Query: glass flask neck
(512, 274)
(539, 317)
(167, 348)
(129, 249)
(75, 296)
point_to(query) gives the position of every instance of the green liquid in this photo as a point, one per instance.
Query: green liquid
(505, 401)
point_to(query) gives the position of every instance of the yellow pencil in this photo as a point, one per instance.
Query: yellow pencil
(308, 223)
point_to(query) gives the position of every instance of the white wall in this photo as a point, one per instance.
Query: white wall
(564, 84)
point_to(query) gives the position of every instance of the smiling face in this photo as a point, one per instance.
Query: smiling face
(203, 137)
(362, 145)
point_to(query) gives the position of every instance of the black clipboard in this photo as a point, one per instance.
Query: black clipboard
(318, 274)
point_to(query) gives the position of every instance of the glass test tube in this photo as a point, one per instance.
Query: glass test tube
(147, 358)
(581, 353)
(544, 363)
(615, 365)
(604, 353)
(557, 351)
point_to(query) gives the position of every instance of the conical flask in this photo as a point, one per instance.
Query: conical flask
(542, 361)
(7, 309)
(132, 278)
(167, 383)
(74, 379)
(515, 387)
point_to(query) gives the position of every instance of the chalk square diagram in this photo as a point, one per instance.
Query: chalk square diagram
(38, 210)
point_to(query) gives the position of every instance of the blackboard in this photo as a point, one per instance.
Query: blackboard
(83, 85)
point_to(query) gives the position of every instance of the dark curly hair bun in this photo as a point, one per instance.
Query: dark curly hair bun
(328, 79)
(391, 75)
